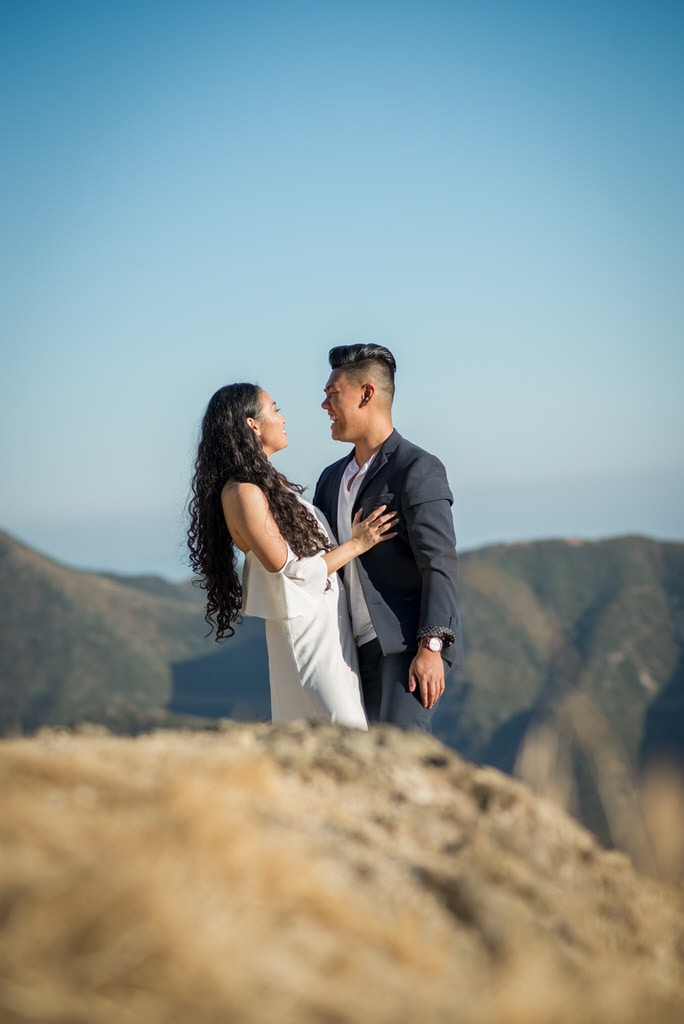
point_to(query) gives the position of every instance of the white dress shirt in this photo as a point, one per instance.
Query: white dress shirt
(351, 482)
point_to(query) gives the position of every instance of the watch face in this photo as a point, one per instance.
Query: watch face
(434, 644)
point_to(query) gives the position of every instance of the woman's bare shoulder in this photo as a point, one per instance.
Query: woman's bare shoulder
(244, 508)
(251, 524)
(243, 495)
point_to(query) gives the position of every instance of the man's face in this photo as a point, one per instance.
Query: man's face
(345, 405)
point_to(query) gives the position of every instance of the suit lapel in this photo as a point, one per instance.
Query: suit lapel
(380, 460)
(334, 491)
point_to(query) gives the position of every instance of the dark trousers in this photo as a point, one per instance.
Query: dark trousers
(384, 681)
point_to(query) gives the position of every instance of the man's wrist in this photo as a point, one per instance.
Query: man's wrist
(443, 633)
(431, 643)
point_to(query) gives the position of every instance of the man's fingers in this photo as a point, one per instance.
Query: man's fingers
(429, 682)
(431, 689)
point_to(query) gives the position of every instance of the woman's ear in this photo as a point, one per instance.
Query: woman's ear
(254, 425)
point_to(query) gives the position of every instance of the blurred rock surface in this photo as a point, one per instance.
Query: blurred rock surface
(309, 874)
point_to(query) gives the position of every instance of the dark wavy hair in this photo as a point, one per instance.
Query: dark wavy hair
(229, 450)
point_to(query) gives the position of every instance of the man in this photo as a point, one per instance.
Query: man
(402, 593)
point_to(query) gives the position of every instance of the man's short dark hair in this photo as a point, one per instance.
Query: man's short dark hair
(366, 362)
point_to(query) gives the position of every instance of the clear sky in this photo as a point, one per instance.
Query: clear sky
(193, 193)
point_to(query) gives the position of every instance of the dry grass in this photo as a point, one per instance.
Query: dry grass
(311, 875)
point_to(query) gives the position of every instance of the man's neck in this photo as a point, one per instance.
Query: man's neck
(370, 443)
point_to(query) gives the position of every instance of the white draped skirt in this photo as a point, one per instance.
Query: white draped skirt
(312, 656)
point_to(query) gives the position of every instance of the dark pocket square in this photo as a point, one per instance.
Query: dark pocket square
(369, 502)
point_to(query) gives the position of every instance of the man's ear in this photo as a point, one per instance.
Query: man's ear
(368, 392)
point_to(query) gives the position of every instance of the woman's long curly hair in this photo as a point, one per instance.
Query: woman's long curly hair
(230, 450)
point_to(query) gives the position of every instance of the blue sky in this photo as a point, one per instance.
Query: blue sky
(195, 193)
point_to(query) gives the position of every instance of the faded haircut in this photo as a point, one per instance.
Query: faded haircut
(366, 363)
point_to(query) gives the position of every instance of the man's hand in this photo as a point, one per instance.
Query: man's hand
(427, 673)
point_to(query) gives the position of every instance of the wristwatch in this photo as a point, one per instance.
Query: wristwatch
(433, 643)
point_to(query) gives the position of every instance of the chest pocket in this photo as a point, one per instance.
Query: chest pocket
(369, 502)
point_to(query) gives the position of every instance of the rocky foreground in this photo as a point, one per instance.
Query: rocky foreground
(307, 874)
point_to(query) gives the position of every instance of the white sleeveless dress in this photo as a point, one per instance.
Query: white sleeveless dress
(312, 656)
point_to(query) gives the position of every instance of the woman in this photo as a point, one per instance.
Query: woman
(239, 501)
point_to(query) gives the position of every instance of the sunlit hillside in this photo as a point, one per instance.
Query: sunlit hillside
(573, 678)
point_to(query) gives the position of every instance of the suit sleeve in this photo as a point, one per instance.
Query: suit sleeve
(318, 492)
(426, 509)
(321, 498)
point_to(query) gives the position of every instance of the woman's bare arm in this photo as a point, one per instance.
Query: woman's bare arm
(253, 528)
(251, 524)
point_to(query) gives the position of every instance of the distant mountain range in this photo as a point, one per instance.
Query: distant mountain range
(117, 650)
(575, 643)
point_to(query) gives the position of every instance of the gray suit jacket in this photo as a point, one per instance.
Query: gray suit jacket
(409, 582)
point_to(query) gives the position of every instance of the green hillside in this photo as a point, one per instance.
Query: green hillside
(544, 619)
(578, 642)
(574, 674)
(77, 645)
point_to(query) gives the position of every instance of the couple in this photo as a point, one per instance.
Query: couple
(375, 647)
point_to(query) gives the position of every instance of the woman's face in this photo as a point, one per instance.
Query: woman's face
(270, 426)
